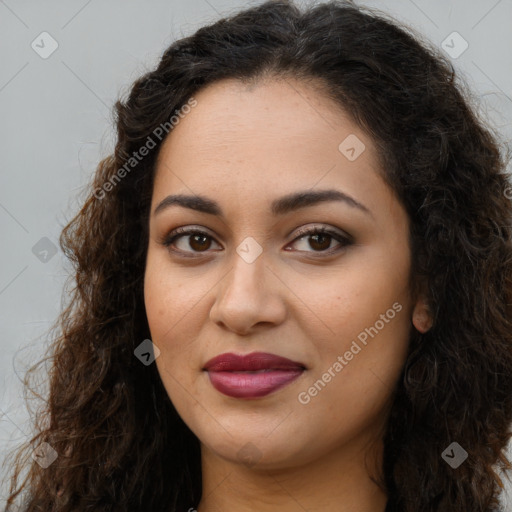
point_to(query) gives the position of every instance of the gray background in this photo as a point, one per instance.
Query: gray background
(56, 125)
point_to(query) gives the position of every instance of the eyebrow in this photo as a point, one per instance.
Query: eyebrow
(281, 206)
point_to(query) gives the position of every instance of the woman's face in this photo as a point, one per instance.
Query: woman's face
(251, 165)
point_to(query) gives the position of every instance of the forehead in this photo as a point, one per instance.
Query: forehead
(283, 127)
(279, 111)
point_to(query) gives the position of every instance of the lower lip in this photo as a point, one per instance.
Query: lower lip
(252, 385)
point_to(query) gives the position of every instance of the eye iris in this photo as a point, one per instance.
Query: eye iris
(322, 237)
(202, 245)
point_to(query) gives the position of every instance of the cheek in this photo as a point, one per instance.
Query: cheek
(365, 318)
(167, 300)
(353, 298)
(175, 316)
(164, 309)
(350, 394)
(155, 301)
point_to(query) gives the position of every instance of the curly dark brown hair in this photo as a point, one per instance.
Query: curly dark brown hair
(121, 444)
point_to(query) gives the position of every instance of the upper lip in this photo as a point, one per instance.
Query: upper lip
(250, 362)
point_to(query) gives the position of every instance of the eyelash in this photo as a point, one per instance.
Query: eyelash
(305, 232)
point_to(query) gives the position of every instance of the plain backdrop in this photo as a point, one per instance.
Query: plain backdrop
(56, 125)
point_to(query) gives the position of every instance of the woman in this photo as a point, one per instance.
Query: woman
(293, 284)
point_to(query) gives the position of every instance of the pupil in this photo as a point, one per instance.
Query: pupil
(321, 237)
(201, 244)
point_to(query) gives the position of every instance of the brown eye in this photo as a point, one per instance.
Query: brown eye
(198, 241)
(319, 239)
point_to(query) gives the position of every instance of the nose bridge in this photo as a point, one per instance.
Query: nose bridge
(248, 268)
(243, 298)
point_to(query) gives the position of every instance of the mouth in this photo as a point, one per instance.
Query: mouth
(252, 375)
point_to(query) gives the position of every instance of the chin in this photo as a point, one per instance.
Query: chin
(258, 451)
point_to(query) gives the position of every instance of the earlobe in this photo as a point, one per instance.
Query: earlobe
(421, 317)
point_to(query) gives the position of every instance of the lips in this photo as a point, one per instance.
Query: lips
(252, 375)
(250, 362)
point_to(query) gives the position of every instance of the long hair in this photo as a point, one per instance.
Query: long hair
(121, 444)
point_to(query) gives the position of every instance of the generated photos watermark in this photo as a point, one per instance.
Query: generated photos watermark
(158, 133)
(304, 397)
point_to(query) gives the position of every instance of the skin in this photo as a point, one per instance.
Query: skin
(245, 146)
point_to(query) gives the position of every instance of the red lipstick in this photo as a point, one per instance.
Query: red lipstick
(252, 375)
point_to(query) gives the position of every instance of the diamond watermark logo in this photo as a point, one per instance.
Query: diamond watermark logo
(44, 45)
(454, 45)
(249, 454)
(454, 455)
(249, 249)
(44, 455)
(44, 250)
(147, 352)
(352, 147)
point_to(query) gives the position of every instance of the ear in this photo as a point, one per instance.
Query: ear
(421, 316)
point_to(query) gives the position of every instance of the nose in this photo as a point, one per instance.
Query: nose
(250, 295)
